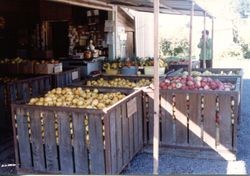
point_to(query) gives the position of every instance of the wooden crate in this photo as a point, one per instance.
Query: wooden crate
(47, 68)
(62, 140)
(204, 120)
(26, 67)
(238, 73)
(21, 89)
(66, 77)
(13, 68)
(3, 68)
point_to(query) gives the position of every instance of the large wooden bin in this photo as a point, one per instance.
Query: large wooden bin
(195, 120)
(131, 78)
(21, 89)
(62, 140)
(223, 73)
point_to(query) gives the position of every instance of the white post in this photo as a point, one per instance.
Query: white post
(204, 42)
(212, 38)
(156, 88)
(191, 39)
(115, 16)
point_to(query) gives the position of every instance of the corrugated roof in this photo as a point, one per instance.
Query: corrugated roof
(181, 7)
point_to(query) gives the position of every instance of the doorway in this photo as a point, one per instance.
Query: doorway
(60, 41)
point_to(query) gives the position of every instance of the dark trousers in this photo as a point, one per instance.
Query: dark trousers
(208, 64)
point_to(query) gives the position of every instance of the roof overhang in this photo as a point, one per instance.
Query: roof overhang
(177, 7)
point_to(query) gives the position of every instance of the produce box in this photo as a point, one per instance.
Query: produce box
(3, 68)
(196, 119)
(74, 140)
(221, 73)
(47, 68)
(12, 68)
(26, 67)
(149, 70)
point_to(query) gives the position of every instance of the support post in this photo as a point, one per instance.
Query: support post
(191, 39)
(156, 89)
(212, 38)
(204, 42)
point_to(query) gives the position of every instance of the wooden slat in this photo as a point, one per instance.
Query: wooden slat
(96, 150)
(41, 86)
(113, 142)
(125, 135)
(23, 139)
(47, 83)
(50, 142)
(181, 119)
(2, 106)
(36, 141)
(235, 124)
(34, 88)
(65, 147)
(26, 92)
(12, 92)
(79, 143)
(119, 137)
(140, 121)
(107, 144)
(225, 122)
(167, 121)
(136, 135)
(131, 136)
(209, 129)
(195, 138)
(145, 111)
(19, 91)
(151, 117)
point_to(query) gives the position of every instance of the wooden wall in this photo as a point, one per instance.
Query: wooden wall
(124, 20)
(53, 11)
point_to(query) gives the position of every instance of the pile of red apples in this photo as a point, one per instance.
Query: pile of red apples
(195, 83)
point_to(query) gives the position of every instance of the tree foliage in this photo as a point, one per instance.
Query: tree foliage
(244, 8)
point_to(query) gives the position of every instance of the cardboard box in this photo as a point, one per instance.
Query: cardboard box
(26, 67)
(47, 68)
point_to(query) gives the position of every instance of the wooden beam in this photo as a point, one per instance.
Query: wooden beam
(204, 42)
(191, 39)
(212, 38)
(156, 88)
(87, 3)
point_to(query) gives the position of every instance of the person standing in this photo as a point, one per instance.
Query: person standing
(205, 45)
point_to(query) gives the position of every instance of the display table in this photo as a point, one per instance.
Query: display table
(87, 66)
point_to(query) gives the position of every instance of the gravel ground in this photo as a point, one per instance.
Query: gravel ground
(173, 164)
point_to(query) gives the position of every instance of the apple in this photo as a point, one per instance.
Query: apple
(213, 85)
(178, 85)
(190, 82)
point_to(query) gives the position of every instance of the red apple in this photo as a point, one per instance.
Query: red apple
(190, 82)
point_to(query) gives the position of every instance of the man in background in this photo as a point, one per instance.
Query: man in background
(205, 45)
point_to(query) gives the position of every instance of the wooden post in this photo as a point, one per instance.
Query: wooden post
(204, 42)
(191, 39)
(212, 38)
(115, 30)
(156, 88)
